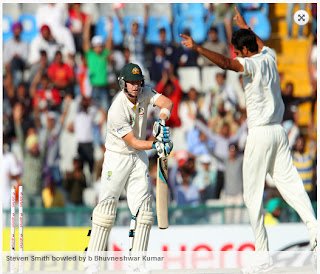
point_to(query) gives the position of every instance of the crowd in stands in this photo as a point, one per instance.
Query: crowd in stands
(58, 86)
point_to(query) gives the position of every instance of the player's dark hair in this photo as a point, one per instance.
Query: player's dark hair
(244, 38)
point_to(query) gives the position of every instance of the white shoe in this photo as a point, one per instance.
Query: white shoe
(264, 268)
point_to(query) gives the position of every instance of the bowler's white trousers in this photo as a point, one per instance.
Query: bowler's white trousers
(267, 151)
(129, 172)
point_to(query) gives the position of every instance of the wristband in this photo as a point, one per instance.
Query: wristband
(166, 112)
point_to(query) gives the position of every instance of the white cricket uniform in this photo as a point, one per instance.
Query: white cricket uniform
(125, 167)
(267, 149)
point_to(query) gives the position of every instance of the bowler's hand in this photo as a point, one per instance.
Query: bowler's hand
(239, 19)
(188, 42)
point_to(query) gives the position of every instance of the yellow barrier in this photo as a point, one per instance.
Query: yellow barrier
(49, 238)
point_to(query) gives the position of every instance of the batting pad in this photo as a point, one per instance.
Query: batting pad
(103, 218)
(144, 224)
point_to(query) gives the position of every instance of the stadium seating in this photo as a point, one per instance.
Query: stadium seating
(189, 77)
(196, 26)
(154, 24)
(261, 24)
(256, 15)
(102, 29)
(6, 27)
(188, 9)
(29, 24)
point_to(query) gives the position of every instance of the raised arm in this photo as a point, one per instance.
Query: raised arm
(108, 44)
(86, 35)
(220, 60)
(243, 25)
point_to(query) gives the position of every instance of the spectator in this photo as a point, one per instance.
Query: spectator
(83, 127)
(188, 110)
(75, 183)
(206, 178)
(159, 63)
(33, 162)
(292, 128)
(216, 45)
(55, 16)
(273, 212)
(225, 92)
(7, 125)
(83, 80)
(233, 186)
(169, 48)
(291, 103)
(53, 150)
(222, 117)
(186, 56)
(45, 98)
(312, 62)
(198, 143)
(134, 41)
(52, 197)
(170, 87)
(44, 41)
(10, 171)
(52, 14)
(22, 96)
(15, 53)
(97, 62)
(76, 22)
(303, 160)
(223, 20)
(186, 193)
(42, 65)
(62, 75)
(289, 19)
(221, 147)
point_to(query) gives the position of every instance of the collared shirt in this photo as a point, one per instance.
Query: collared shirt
(261, 84)
(124, 117)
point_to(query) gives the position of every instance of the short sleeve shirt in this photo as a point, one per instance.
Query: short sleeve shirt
(124, 117)
(262, 89)
(97, 67)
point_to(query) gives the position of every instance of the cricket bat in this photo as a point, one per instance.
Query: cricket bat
(162, 192)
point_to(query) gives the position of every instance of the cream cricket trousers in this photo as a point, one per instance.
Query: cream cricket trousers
(129, 172)
(267, 151)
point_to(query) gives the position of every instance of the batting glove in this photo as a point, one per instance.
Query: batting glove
(163, 149)
(160, 131)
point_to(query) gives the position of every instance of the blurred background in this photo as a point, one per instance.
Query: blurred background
(60, 69)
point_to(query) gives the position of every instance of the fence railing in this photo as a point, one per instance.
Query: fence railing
(178, 215)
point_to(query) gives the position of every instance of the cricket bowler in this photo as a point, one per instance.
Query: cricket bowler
(267, 149)
(126, 163)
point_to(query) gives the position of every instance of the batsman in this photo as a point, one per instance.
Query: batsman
(126, 163)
